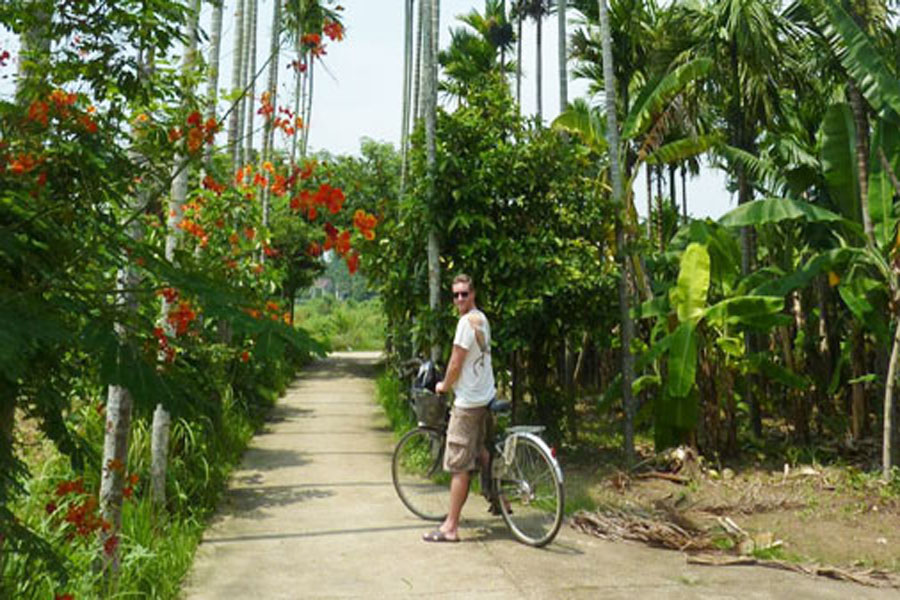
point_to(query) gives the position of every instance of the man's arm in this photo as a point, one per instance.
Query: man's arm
(456, 361)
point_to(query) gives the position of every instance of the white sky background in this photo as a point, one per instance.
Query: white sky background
(358, 84)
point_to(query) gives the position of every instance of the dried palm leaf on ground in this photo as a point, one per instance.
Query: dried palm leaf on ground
(869, 577)
(613, 524)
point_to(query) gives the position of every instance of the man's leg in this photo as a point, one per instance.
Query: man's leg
(459, 491)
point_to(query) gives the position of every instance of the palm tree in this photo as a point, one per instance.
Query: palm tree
(537, 10)
(212, 82)
(476, 51)
(429, 97)
(237, 87)
(250, 36)
(561, 6)
(407, 85)
(612, 132)
(178, 194)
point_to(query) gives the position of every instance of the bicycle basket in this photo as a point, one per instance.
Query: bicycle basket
(430, 408)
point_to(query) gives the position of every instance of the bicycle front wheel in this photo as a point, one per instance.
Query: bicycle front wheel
(419, 477)
(530, 491)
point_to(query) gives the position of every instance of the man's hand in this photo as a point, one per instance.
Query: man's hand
(440, 388)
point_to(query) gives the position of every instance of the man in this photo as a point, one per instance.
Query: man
(471, 376)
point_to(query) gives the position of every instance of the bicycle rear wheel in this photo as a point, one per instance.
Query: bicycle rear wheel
(530, 491)
(419, 477)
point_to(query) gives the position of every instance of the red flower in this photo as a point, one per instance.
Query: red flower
(334, 31)
(249, 233)
(170, 294)
(50, 508)
(210, 183)
(4, 56)
(314, 249)
(245, 356)
(64, 597)
(38, 112)
(343, 243)
(194, 119)
(353, 263)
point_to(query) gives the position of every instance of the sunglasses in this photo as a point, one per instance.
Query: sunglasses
(460, 295)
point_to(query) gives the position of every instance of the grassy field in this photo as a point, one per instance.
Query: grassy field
(343, 325)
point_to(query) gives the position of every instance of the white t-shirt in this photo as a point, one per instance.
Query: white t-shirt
(475, 385)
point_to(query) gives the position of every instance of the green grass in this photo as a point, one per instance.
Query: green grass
(392, 397)
(348, 325)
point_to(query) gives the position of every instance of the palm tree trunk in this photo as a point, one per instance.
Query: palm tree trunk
(539, 69)
(649, 174)
(429, 97)
(563, 75)
(407, 83)
(119, 403)
(307, 119)
(237, 87)
(298, 95)
(212, 82)
(250, 35)
(618, 201)
(520, 15)
(178, 195)
(269, 139)
(887, 451)
(417, 69)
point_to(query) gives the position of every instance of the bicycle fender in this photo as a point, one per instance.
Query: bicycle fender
(540, 443)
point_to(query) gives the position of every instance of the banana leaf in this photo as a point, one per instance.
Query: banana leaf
(838, 134)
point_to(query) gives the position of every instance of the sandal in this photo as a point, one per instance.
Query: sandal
(438, 536)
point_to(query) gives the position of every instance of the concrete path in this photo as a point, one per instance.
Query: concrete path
(312, 513)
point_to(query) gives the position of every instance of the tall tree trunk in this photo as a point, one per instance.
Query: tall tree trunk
(519, 19)
(407, 84)
(619, 202)
(417, 69)
(298, 96)
(178, 194)
(539, 68)
(649, 174)
(250, 36)
(887, 450)
(563, 75)
(429, 96)
(212, 82)
(307, 118)
(269, 139)
(684, 213)
(237, 87)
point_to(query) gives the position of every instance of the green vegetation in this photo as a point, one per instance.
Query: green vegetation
(343, 325)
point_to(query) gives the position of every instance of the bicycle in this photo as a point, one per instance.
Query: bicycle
(525, 484)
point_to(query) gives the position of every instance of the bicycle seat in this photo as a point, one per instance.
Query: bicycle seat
(499, 406)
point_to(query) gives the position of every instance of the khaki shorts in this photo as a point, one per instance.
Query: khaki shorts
(465, 438)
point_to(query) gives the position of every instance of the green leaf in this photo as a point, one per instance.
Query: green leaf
(586, 122)
(858, 55)
(645, 382)
(762, 363)
(745, 310)
(688, 297)
(656, 96)
(881, 190)
(839, 165)
(870, 378)
(682, 361)
(774, 210)
(680, 150)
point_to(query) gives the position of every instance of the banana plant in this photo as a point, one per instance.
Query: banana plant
(874, 271)
(646, 124)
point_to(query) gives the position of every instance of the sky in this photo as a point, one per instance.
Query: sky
(358, 84)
